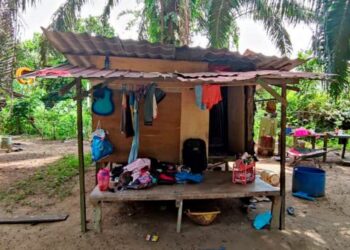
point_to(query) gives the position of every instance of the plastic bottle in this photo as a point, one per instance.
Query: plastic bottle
(103, 179)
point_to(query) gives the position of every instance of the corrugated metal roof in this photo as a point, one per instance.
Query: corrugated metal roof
(66, 71)
(76, 48)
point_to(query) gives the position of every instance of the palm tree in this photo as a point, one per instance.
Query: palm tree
(222, 17)
(332, 41)
(8, 38)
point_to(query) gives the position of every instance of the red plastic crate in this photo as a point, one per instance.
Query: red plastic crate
(243, 173)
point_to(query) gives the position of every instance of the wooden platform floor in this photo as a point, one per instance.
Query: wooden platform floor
(216, 185)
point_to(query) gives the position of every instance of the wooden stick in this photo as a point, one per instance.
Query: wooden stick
(283, 157)
(34, 219)
(81, 155)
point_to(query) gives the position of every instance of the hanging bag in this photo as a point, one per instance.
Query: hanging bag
(100, 146)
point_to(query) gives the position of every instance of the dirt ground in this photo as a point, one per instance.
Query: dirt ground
(323, 224)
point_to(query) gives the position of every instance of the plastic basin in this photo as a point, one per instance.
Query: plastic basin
(309, 180)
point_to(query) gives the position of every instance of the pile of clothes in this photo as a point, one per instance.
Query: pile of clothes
(144, 173)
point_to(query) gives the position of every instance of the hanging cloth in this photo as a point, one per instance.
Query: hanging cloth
(148, 105)
(126, 120)
(211, 95)
(135, 141)
(268, 126)
(198, 90)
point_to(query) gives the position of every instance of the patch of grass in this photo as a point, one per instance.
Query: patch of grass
(52, 181)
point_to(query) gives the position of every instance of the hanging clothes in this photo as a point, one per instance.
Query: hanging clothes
(126, 120)
(211, 95)
(268, 126)
(198, 90)
(136, 140)
(148, 105)
(159, 94)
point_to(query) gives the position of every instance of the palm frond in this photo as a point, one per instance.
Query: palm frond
(220, 20)
(273, 24)
(67, 14)
(332, 42)
(107, 10)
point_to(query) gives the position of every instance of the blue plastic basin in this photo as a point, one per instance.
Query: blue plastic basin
(309, 180)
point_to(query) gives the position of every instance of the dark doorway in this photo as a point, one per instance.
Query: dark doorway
(218, 132)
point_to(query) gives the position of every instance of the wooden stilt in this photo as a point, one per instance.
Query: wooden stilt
(81, 155)
(283, 157)
(275, 211)
(179, 205)
(98, 217)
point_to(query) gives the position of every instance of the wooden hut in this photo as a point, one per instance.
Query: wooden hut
(227, 130)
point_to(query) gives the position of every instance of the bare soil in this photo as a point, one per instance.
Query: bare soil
(323, 224)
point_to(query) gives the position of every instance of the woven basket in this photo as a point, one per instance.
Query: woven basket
(202, 218)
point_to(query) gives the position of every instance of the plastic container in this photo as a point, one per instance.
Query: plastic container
(243, 173)
(309, 180)
(103, 179)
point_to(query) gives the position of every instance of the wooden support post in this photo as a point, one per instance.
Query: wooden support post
(283, 157)
(325, 142)
(97, 216)
(313, 142)
(81, 155)
(275, 211)
(344, 148)
(179, 205)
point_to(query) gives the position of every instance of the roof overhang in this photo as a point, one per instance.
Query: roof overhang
(223, 78)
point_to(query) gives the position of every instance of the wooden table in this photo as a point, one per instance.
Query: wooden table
(216, 185)
(326, 136)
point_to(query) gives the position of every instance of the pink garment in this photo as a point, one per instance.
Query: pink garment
(137, 167)
(301, 132)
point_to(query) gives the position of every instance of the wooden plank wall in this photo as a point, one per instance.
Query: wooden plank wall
(162, 140)
(236, 119)
(194, 122)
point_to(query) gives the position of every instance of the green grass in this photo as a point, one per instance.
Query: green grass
(52, 181)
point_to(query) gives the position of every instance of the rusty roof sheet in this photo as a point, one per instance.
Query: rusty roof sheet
(76, 48)
(70, 71)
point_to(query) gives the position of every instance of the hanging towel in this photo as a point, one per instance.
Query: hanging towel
(211, 95)
(135, 141)
(198, 93)
(126, 120)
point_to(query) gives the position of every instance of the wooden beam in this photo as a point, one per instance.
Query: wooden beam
(81, 154)
(274, 93)
(283, 158)
(66, 88)
(289, 87)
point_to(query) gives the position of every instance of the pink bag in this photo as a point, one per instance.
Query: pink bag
(103, 179)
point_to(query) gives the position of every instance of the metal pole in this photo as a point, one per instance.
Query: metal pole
(283, 158)
(81, 155)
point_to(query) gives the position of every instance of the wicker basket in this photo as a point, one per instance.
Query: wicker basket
(202, 218)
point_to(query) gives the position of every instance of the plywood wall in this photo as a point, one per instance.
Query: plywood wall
(194, 122)
(161, 141)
